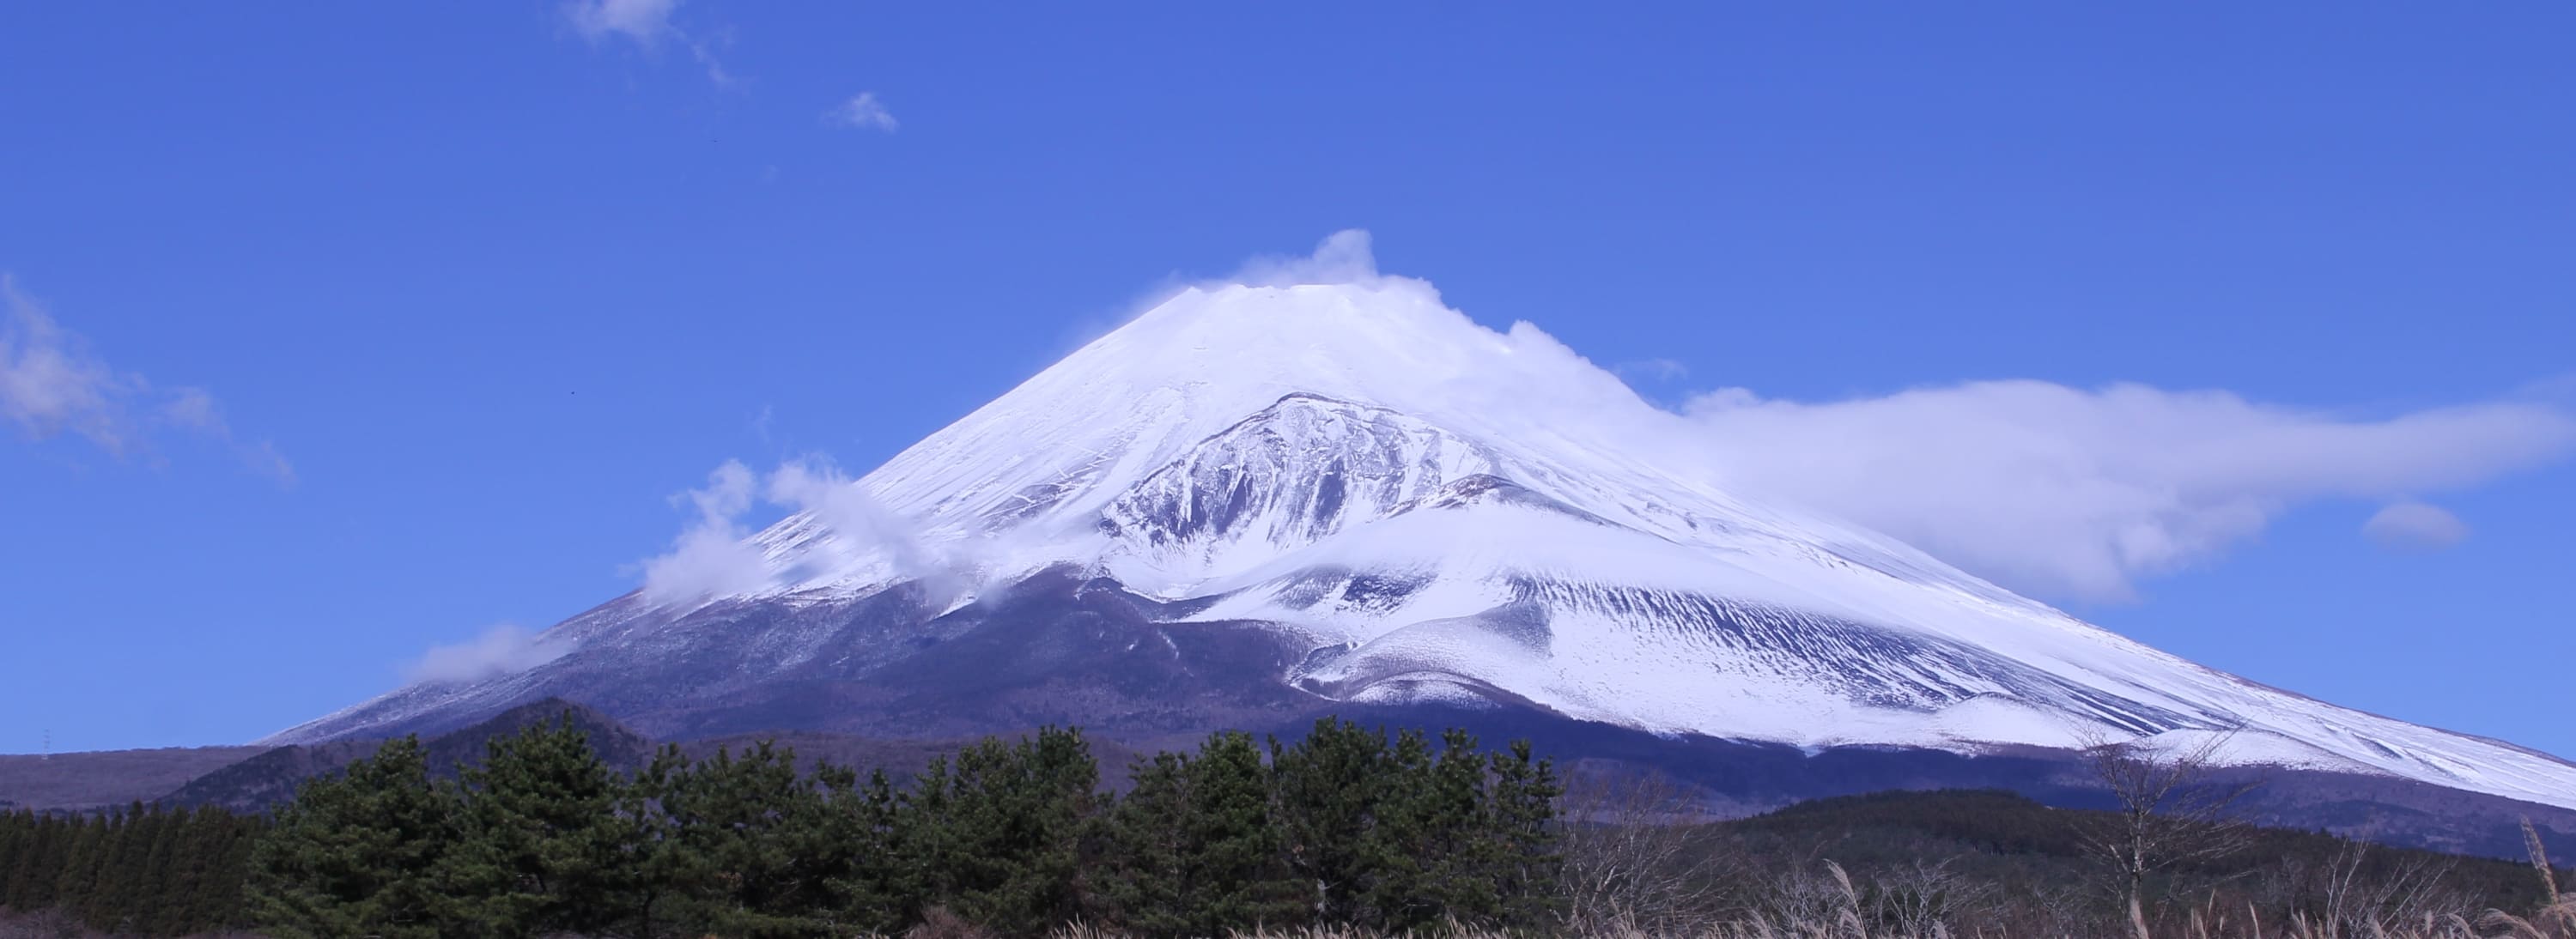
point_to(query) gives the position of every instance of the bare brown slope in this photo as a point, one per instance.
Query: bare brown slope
(107, 777)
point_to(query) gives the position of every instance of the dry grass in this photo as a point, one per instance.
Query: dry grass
(2558, 922)
(55, 924)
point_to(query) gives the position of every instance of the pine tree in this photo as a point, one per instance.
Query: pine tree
(1327, 787)
(875, 887)
(836, 836)
(1526, 868)
(17, 839)
(997, 835)
(1394, 885)
(124, 900)
(747, 828)
(77, 881)
(1232, 851)
(654, 869)
(539, 841)
(354, 853)
(221, 899)
(1147, 849)
(31, 885)
(159, 907)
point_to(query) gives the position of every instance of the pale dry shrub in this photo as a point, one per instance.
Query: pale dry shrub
(939, 922)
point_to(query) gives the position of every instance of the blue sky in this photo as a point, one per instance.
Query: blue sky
(391, 323)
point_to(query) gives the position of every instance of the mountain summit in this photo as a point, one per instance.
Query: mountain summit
(1253, 504)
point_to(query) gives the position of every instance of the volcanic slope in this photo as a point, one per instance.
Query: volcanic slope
(1258, 502)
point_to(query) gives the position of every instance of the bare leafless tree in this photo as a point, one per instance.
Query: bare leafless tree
(2171, 806)
(1632, 856)
(1925, 897)
(2361, 899)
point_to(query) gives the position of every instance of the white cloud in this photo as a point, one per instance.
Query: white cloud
(2051, 490)
(2048, 489)
(2415, 526)
(501, 650)
(644, 22)
(816, 487)
(51, 384)
(1343, 257)
(865, 112)
(2074, 492)
(710, 558)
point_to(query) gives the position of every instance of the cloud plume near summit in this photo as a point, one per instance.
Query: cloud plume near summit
(2062, 491)
(715, 555)
(2074, 492)
(2059, 491)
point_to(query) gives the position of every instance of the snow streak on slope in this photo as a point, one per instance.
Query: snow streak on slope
(1445, 512)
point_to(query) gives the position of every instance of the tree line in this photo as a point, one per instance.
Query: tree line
(1345, 832)
(1346, 826)
(141, 870)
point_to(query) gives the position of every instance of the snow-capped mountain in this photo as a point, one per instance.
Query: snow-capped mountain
(1276, 500)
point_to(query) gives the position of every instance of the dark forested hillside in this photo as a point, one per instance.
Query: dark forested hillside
(141, 870)
(556, 827)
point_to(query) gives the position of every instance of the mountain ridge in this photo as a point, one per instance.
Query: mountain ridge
(1274, 501)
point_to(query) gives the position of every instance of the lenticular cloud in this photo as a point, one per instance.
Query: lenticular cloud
(2080, 493)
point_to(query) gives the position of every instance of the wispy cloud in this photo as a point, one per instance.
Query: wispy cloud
(710, 557)
(2415, 526)
(1652, 370)
(817, 488)
(2076, 492)
(715, 555)
(51, 384)
(1343, 257)
(643, 22)
(864, 112)
(647, 24)
(501, 650)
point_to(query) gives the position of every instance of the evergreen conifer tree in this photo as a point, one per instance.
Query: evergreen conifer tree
(1327, 787)
(998, 834)
(746, 827)
(1147, 884)
(875, 887)
(354, 854)
(1526, 866)
(1233, 848)
(653, 865)
(539, 843)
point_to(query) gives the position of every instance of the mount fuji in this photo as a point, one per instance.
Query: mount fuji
(1255, 504)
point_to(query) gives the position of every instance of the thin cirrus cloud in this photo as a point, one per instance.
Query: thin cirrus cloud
(864, 112)
(2081, 493)
(52, 384)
